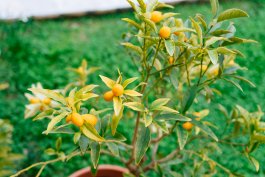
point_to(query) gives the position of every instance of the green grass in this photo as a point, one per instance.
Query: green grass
(38, 51)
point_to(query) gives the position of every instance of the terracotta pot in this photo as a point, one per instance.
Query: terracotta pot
(103, 171)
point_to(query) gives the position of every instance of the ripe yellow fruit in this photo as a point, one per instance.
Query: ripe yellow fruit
(117, 90)
(215, 72)
(69, 118)
(187, 126)
(156, 16)
(90, 118)
(177, 33)
(46, 101)
(108, 96)
(165, 32)
(171, 60)
(77, 119)
(34, 100)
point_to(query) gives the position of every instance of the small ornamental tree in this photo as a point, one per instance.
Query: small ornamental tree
(178, 62)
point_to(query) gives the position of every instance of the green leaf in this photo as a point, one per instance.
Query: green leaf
(162, 125)
(182, 29)
(159, 102)
(205, 129)
(77, 136)
(55, 120)
(202, 20)
(83, 143)
(90, 132)
(182, 137)
(50, 94)
(236, 40)
(133, 23)
(133, 47)
(234, 83)
(44, 114)
(170, 47)
(254, 162)
(58, 143)
(215, 6)
(213, 40)
(150, 23)
(117, 137)
(49, 151)
(115, 121)
(220, 32)
(213, 55)
(129, 81)
(114, 149)
(224, 50)
(231, 13)
(95, 153)
(135, 106)
(244, 80)
(175, 117)
(85, 89)
(147, 120)
(142, 143)
(188, 98)
(198, 30)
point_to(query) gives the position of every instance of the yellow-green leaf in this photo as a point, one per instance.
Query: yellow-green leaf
(90, 132)
(132, 93)
(55, 121)
(231, 13)
(129, 81)
(109, 82)
(135, 106)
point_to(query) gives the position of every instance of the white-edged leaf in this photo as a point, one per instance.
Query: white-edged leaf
(142, 143)
(109, 82)
(159, 102)
(90, 132)
(170, 47)
(182, 137)
(135, 106)
(117, 105)
(129, 81)
(133, 47)
(213, 55)
(55, 121)
(205, 129)
(132, 93)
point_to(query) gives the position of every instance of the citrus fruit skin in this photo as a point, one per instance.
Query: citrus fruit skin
(90, 118)
(47, 101)
(177, 33)
(165, 32)
(69, 118)
(171, 60)
(117, 90)
(187, 126)
(77, 119)
(108, 96)
(156, 16)
(34, 100)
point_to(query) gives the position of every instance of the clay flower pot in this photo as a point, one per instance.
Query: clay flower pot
(103, 171)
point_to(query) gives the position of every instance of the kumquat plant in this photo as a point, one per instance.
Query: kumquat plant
(178, 62)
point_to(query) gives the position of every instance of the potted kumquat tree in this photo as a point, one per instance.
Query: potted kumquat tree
(178, 62)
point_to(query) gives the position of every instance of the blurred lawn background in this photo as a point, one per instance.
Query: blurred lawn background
(39, 51)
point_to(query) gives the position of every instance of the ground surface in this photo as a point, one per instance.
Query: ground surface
(37, 51)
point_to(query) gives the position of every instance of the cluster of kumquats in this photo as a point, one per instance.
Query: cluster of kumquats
(177, 63)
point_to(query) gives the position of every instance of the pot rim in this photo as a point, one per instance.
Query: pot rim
(100, 167)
